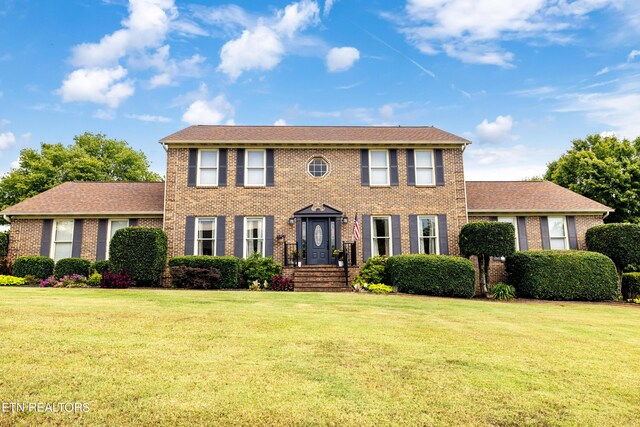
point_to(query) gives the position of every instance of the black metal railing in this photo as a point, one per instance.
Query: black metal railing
(349, 256)
(291, 254)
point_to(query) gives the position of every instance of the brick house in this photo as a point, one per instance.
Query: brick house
(236, 190)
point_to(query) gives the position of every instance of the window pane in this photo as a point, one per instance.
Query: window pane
(378, 159)
(118, 225)
(427, 227)
(205, 247)
(255, 159)
(381, 227)
(558, 244)
(510, 220)
(62, 250)
(254, 228)
(378, 177)
(556, 227)
(255, 177)
(64, 231)
(206, 229)
(423, 159)
(208, 176)
(424, 176)
(208, 159)
(253, 246)
(380, 246)
(427, 245)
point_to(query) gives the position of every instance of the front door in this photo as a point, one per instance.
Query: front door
(318, 241)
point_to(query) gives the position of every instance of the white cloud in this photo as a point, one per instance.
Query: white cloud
(149, 118)
(15, 164)
(104, 114)
(264, 45)
(280, 122)
(328, 5)
(496, 131)
(605, 70)
(632, 55)
(7, 139)
(209, 112)
(342, 58)
(503, 163)
(168, 69)
(608, 133)
(99, 85)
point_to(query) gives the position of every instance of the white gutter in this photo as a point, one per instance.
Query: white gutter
(7, 218)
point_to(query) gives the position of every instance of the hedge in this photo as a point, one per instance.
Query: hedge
(70, 266)
(195, 278)
(491, 238)
(631, 285)
(140, 251)
(101, 266)
(39, 267)
(439, 275)
(563, 275)
(229, 267)
(4, 244)
(620, 242)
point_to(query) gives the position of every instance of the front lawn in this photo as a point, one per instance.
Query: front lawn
(158, 357)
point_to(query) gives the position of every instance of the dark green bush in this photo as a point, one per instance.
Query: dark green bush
(39, 267)
(563, 275)
(141, 251)
(228, 266)
(258, 268)
(439, 275)
(490, 238)
(4, 244)
(195, 278)
(631, 285)
(101, 266)
(373, 270)
(620, 242)
(71, 266)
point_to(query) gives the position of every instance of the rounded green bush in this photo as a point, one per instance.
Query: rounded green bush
(490, 238)
(101, 266)
(374, 269)
(70, 266)
(39, 267)
(631, 285)
(228, 266)
(620, 242)
(141, 252)
(563, 275)
(439, 275)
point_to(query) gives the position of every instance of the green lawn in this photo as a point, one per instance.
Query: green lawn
(161, 357)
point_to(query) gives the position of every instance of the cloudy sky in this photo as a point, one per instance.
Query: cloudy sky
(520, 79)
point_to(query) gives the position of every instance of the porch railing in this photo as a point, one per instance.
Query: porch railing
(291, 254)
(349, 252)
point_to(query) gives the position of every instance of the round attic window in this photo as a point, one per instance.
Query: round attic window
(318, 167)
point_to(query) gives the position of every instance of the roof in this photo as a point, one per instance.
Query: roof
(527, 196)
(313, 134)
(94, 198)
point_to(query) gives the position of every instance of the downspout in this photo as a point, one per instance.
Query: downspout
(164, 200)
(606, 214)
(464, 181)
(6, 218)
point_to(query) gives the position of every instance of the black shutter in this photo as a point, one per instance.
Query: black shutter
(366, 236)
(222, 167)
(544, 232)
(192, 171)
(220, 235)
(76, 246)
(413, 234)
(439, 167)
(189, 236)
(393, 167)
(45, 240)
(240, 167)
(411, 169)
(270, 167)
(101, 247)
(238, 231)
(522, 233)
(133, 222)
(396, 236)
(268, 235)
(572, 232)
(364, 167)
(443, 235)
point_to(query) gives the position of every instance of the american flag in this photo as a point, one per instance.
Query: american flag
(356, 229)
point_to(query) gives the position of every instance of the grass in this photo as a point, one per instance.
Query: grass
(157, 357)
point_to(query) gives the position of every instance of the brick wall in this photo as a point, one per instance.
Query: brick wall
(295, 189)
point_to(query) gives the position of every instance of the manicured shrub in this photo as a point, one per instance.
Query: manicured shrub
(39, 267)
(70, 266)
(112, 280)
(379, 288)
(373, 270)
(141, 251)
(485, 240)
(503, 291)
(228, 266)
(11, 281)
(259, 268)
(631, 286)
(195, 278)
(620, 242)
(101, 266)
(4, 244)
(439, 275)
(281, 284)
(94, 280)
(563, 275)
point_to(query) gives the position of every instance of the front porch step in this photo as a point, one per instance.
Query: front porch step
(319, 278)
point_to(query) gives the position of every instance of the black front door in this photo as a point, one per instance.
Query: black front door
(318, 241)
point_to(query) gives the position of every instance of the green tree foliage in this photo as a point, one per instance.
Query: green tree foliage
(604, 169)
(620, 242)
(92, 157)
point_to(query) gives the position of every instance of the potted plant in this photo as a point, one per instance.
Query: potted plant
(296, 255)
(339, 256)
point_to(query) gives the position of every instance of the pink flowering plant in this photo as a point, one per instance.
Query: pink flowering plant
(49, 282)
(69, 281)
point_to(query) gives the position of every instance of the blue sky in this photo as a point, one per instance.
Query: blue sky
(520, 79)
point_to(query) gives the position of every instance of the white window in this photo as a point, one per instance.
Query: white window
(208, 168)
(62, 242)
(256, 168)
(378, 167)
(381, 235)
(424, 167)
(206, 236)
(511, 220)
(115, 225)
(254, 236)
(558, 232)
(428, 235)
